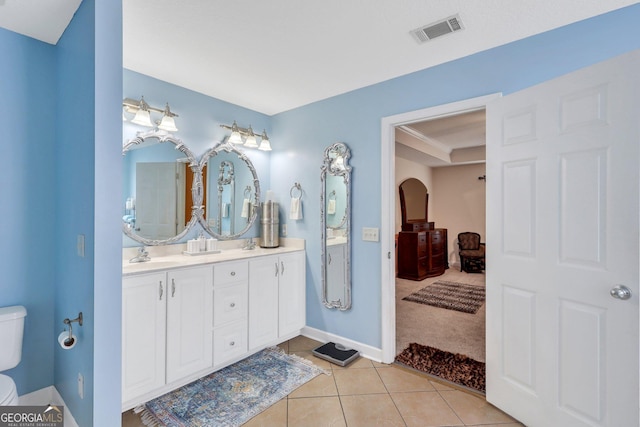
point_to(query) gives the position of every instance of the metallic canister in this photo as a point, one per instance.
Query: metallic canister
(269, 225)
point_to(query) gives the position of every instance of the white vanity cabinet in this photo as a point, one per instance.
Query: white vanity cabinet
(189, 320)
(182, 323)
(276, 298)
(144, 311)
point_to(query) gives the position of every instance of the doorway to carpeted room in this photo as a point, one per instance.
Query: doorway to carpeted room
(440, 327)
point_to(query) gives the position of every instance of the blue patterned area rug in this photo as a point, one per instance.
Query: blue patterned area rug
(233, 395)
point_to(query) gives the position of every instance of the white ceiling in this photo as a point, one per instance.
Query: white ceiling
(448, 141)
(272, 56)
(42, 20)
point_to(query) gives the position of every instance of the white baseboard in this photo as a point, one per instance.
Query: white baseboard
(46, 396)
(365, 350)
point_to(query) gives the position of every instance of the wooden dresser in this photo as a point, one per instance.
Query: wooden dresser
(422, 254)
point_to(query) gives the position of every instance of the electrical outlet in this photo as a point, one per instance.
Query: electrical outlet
(370, 234)
(80, 385)
(284, 230)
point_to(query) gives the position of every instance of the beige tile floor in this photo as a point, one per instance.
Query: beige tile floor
(367, 393)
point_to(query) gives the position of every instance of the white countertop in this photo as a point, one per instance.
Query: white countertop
(171, 256)
(339, 240)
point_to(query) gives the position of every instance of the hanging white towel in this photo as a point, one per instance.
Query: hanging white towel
(331, 208)
(295, 211)
(225, 210)
(246, 208)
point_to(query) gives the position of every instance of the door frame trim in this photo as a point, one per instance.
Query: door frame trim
(387, 229)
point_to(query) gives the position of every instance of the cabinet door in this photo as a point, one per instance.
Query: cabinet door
(292, 308)
(189, 321)
(263, 300)
(143, 334)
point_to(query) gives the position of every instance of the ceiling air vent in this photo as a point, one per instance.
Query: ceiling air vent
(437, 29)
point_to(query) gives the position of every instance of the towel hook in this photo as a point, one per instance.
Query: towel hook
(247, 191)
(332, 195)
(296, 186)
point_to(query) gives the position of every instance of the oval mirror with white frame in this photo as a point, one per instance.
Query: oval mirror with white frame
(232, 192)
(161, 188)
(335, 207)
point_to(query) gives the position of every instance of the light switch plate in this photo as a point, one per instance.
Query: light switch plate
(370, 234)
(80, 245)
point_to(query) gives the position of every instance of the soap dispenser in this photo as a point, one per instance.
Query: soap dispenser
(202, 241)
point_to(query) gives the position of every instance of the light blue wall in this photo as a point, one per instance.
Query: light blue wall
(300, 135)
(74, 184)
(48, 186)
(27, 199)
(107, 279)
(198, 124)
(88, 174)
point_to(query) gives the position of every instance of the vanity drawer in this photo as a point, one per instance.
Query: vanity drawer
(230, 303)
(229, 342)
(229, 272)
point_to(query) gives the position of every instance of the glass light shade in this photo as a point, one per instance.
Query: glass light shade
(251, 141)
(235, 138)
(142, 118)
(265, 145)
(168, 123)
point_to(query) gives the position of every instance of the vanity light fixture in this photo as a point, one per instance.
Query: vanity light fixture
(143, 116)
(143, 111)
(251, 142)
(250, 138)
(168, 122)
(265, 145)
(235, 137)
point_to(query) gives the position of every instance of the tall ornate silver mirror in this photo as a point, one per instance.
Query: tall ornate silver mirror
(335, 207)
(232, 191)
(161, 188)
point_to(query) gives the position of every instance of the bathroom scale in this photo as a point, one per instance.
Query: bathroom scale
(336, 353)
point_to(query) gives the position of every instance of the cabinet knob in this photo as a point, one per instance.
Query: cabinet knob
(233, 273)
(232, 343)
(233, 304)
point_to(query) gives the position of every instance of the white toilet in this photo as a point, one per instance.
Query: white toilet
(11, 331)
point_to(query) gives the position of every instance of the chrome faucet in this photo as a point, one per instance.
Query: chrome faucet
(143, 255)
(250, 245)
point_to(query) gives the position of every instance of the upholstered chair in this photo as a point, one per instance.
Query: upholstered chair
(471, 252)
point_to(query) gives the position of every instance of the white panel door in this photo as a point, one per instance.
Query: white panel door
(562, 231)
(156, 204)
(189, 321)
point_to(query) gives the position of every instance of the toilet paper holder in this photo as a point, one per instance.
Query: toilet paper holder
(70, 341)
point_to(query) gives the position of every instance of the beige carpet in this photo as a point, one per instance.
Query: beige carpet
(443, 329)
